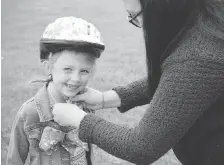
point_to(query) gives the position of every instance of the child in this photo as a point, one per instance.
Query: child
(69, 48)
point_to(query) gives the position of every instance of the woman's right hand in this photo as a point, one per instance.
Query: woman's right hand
(95, 100)
(90, 98)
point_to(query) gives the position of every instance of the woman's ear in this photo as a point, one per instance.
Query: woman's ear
(47, 67)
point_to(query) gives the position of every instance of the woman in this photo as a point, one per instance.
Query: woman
(185, 88)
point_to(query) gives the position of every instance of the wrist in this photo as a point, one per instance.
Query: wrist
(82, 115)
(110, 99)
(103, 101)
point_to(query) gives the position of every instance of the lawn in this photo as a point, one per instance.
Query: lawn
(122, 62)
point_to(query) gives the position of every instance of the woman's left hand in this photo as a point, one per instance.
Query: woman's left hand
(68, 114)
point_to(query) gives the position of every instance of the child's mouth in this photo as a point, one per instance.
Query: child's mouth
(71, 86)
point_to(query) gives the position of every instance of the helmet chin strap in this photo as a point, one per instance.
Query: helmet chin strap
(55, 99)
(68, 99)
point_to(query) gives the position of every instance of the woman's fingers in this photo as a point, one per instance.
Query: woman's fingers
(91, 97)
(94, 107)
(83, 105)
(81, 97)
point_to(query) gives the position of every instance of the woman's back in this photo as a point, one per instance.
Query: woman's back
(203, 143)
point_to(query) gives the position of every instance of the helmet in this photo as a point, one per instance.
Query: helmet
(70, 32)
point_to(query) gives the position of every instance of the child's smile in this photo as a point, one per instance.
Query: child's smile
(72, 87)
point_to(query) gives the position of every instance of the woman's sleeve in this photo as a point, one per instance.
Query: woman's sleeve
(18, 145)
(134, 94)
(186, 90)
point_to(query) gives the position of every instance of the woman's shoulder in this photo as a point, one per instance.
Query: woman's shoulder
(197, 44)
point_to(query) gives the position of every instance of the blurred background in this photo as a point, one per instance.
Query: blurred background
(123, 61)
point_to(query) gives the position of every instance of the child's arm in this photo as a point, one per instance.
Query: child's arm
(18, 145)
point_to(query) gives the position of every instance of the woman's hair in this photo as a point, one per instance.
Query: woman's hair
(214, 14)
(166, 22)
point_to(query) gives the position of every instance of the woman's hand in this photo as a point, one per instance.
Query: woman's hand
(91, 99)
(68, 114)
(95, 100)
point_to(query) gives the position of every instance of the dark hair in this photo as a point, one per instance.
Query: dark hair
(47, 48)
(213, 12)
(164, 25)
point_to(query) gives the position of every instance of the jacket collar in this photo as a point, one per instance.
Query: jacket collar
(43, 104)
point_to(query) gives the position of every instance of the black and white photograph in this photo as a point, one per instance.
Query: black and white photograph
(112, 82)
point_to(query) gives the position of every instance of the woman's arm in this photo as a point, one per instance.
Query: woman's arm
(125, 98)
(134, 94)
(186, 90)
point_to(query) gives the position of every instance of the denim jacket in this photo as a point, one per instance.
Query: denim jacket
(33, 116)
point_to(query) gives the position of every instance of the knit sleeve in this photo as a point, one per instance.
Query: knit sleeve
(134, 94)
(186, 90)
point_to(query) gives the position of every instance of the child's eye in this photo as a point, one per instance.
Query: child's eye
(68, 69)
(84, 71)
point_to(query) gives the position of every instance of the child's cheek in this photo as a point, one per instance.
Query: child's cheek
(66, 77)
(85, 80)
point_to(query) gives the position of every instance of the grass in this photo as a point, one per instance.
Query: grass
(123, 61)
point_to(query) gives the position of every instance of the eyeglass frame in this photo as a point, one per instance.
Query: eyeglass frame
(131, 18)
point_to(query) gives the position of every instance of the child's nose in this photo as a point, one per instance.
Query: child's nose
(75, 77)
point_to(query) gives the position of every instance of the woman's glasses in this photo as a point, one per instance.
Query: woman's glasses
(133, 19)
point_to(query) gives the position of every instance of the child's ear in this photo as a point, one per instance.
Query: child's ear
(47, 67)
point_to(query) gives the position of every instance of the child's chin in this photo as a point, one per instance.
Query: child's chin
(70, 94)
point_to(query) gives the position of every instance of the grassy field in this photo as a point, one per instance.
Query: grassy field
(23, 22)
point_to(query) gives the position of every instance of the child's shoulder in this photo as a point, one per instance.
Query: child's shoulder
(28, 110)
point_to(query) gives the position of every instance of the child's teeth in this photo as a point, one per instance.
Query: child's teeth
(71, 86)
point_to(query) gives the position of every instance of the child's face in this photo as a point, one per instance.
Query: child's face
(71, 72)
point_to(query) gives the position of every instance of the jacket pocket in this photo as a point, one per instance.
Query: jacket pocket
(39, 156)
(34, 136)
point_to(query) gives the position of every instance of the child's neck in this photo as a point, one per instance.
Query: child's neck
(54, 94)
